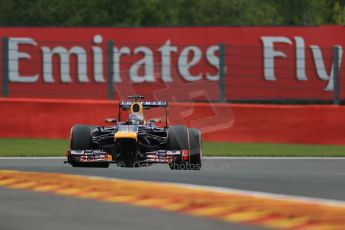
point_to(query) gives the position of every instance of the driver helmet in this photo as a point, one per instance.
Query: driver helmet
(136, 119)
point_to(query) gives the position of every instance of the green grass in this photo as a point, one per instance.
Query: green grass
(32, 147)
(45, 147)
(271, 150)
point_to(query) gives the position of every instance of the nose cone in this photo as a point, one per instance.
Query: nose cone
(127, 132)
(126, 135)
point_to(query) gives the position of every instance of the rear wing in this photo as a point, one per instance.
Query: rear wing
(126, 105)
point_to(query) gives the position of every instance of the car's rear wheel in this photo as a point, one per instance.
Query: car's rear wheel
(181, 138)
(195, 152)
(177, 139)
(81, 139)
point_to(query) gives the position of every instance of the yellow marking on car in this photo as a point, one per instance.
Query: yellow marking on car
(233, 207)
(136, 107)
(126, 134)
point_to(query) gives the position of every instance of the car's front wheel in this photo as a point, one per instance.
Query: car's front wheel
(81, 139)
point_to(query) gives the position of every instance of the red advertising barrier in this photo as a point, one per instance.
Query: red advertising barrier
(262, 63)
(317, 124)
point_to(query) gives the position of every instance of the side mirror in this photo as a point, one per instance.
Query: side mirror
(110, 120)
(155, 120)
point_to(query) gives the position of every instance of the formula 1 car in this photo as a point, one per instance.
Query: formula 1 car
(135, 142)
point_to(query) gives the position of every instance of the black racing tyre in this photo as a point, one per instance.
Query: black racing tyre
(179, 137)
(195, 149)
(81, 139)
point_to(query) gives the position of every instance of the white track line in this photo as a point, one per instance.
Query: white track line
(276, 158)
(210, 158)
(32, 158)
(255, 194)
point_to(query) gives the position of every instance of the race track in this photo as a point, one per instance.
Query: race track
(316, 178)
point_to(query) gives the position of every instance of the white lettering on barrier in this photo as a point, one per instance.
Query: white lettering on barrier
(166, 51)
(98, 59)
(270, 53)
(300, 59)
(184, 65)
(64, 55)
(143, 70)
(15, 55)
(147, 64)
(320, 66)
(117, 55)
(213, 60)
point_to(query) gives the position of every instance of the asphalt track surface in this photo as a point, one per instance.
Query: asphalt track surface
(316, 178)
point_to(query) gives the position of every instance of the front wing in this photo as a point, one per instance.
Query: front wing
(159, 156)
(88, 156)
